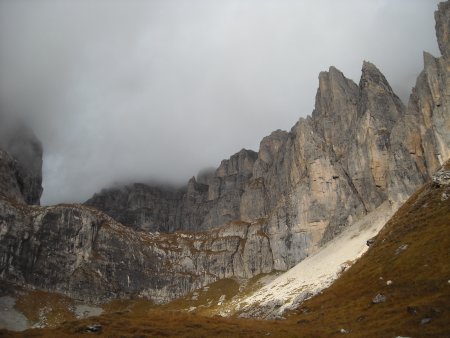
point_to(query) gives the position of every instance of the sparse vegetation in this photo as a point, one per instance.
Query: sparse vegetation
(50, 309)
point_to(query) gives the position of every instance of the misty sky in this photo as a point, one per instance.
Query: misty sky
(137, 90)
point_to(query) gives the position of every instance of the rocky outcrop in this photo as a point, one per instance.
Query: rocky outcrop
(25, 149)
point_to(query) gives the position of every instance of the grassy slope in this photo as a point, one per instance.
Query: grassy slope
(419, 276)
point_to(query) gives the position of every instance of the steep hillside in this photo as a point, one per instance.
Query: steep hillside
(400, 287)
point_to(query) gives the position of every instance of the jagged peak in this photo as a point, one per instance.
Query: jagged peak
(192, 184)
(428, 56)
(334, 95)
(442, 17)
(371, 74)
(270, 144)
(374, 89)
(332, 72)
(334, 79)
(245, 152)
(278, 134)
(241, 162)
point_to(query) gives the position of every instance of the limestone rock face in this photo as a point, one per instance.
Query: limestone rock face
(336, 109)
(212, 201)
(85, 254)
(442, 17)
(26, 150)
(368, 158)
(140, 206)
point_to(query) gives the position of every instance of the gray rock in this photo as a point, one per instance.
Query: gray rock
(9, 177)
(379, 298)
(442, 17)
(83, 253)
(94, 328)
(141, 206)
(442, 177)
(425, 321)
(401, 248)
(370, 241)
(201, 205)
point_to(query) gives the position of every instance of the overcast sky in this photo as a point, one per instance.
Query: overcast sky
(137, 90)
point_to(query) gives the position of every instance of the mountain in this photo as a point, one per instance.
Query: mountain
(361, 149)
(399, 288)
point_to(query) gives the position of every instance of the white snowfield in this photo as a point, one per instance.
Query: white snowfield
(318, 271)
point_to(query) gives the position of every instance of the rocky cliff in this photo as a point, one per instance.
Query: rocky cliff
(83, 253)
(360, 147)
(258, 212)
(20, 161)
(210, 200)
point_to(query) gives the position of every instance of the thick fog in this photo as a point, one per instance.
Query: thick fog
(121, 91)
